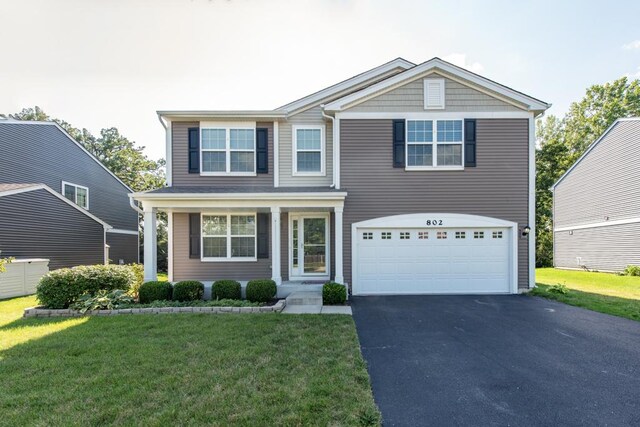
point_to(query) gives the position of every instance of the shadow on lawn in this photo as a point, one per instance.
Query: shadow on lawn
(617, 306)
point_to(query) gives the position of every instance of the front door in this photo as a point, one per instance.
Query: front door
(309, 243)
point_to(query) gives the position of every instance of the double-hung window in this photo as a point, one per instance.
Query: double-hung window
(76, 193)
(434, 144)
(228, 237)
(228, 150)
(308, 143)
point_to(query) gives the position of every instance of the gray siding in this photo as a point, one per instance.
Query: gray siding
(180, 162)
(606, 183)
(312, 116)
(123, 247)
(36, 224)
(410, 98)
(284, 245)
(609, 248)
(185, 268)
(40, 153)
(497, 187)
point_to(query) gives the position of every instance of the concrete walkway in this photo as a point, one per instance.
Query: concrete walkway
(310, 302)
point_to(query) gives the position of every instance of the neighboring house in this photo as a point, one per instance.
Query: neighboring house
(596, 204)
(59, 202)
(405, 179)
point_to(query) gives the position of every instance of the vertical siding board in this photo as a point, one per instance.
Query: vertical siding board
(180, 161)
(36, 224)
(410, 98)
(497, 187)
(41, 153)
(185, 268)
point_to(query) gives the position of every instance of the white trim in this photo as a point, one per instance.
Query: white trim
(294, 156)
(228, 127)
(598, 224)
(532, 203)
(169, 154)
(71, 184)
(591, 147)
(301, 216)
(122, 231)
(334, 195)
(276, 154)
(449, 221)
(106, 247)
(435, 115)
(228, 236)
(336, 152)
(185, 205)
(150, 244)
(223, 114)
(59, 196)
(434, 148)
(170, 246)
(399, 79)
(33, 122)
(276, 274)
(347, 84)
(339, 236)
(425, 83)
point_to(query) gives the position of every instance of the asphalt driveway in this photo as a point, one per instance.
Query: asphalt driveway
(498, 360)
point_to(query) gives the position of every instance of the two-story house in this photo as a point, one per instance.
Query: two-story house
(405, 179)
(57, 201)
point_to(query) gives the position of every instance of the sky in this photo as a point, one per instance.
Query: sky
(98, 64)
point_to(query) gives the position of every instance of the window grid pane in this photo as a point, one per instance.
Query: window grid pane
(242, 161)
(70, 192)
(243, 247)
(419, 131)
(242, 139)
(214, 225)
(243, 225)
(81, 197)
(449, 130)
(309, 161)
(214, 161)
(308, 139)
(214, 139)
(420, 155)
(214, 247)
(449, 155)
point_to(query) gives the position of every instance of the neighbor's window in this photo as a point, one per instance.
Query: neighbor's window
(228, 237)
(76, 193)
(228, 150)
(426, 136)
(308, 142)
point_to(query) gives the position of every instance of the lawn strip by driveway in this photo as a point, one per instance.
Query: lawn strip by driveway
(190, 369)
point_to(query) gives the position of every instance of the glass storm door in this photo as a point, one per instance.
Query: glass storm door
(309, 246)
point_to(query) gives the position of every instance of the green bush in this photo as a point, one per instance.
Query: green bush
(188, 290)
(103, 300)
(61, 288)
(632, 270)
(154, 291)
(334, 293)
(201, 303)
(226, 289)
(559, 288)
(138, 271)
(261, 290)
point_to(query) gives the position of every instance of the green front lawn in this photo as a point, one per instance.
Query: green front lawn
(603, 292)
(186, 369)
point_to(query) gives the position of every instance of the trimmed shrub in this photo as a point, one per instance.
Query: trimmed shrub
(138, 271)
(334, 293)
(188, 290)
(226, 289)
(154, 291)
(632, 270)
(261, 290)
(61, 288)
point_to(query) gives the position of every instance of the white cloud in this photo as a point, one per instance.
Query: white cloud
(460, 59)
(635, 75)
(633, 45)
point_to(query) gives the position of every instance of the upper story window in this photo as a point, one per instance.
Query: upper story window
(228, 150)
(434, 144)
(308, 143)
(76, 193)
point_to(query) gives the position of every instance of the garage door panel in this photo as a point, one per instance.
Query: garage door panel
(423, 263)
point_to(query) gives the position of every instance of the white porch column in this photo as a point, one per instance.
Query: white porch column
(150, 245)
(338, 220)
(275, 245)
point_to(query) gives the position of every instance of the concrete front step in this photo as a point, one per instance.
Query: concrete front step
(305, 298)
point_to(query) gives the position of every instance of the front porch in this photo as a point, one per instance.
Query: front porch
(294, 237)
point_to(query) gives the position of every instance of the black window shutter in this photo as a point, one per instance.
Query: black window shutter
(262, 150)
(262, 221)
(194, 150)
(470, 143)
(398, 143)
(194, 235)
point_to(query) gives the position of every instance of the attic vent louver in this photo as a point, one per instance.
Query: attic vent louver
(433, 94)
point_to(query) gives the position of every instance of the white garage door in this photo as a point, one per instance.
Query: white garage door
(440, 260)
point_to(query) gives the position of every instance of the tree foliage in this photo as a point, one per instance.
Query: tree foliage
(562, 141)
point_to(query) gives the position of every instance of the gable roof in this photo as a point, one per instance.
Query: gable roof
(594, 145)
(531, 103)
(18, 188)
(66, 134)
(398, 64)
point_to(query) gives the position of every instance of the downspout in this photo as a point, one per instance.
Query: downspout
(135, 207)
(168, 159)
(335, 147)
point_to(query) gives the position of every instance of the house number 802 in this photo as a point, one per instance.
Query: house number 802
(434, 222)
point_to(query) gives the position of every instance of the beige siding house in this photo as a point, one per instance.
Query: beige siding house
(405, 179)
